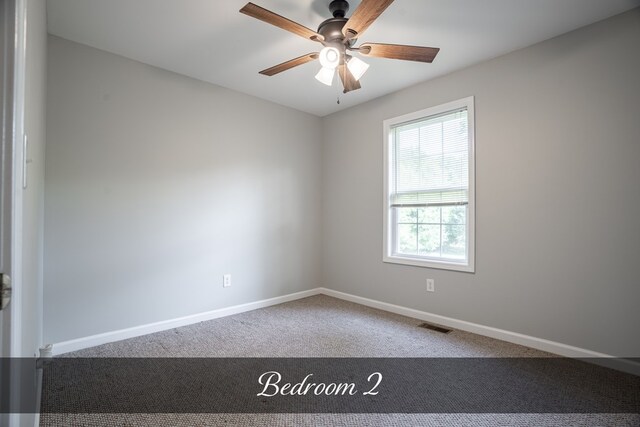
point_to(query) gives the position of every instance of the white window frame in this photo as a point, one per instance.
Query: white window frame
(388, 256)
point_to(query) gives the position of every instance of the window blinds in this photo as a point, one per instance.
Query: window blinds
(430, 161)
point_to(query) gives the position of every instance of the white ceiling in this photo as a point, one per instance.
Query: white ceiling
(211, 41)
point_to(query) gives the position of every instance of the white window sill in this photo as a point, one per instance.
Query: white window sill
(420, 262)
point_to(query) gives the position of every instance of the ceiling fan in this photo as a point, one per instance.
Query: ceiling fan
(338, 36)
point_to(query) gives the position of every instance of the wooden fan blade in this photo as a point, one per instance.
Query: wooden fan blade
(399, 51)
(348, 81)
(363, 16)
(269, 17)
(290, 64)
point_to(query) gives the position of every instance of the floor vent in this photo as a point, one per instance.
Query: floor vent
(433, 327)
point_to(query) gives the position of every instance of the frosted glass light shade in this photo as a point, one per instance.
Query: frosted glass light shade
(329, 57)
(357, 67)
(325, 75)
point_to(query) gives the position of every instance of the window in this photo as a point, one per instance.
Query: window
(429, 210)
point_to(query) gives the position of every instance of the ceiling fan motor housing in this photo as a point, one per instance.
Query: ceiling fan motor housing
(331, 29)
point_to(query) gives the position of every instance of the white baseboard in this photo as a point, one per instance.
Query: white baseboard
(123, 334)
(557, 348)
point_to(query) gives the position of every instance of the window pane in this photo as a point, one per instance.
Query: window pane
(453, 245)
(430, 215)
(407, 239)
(454, 214)
(407, 215)
(429, 240)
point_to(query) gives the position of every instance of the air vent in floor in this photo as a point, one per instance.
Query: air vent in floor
(433, 327)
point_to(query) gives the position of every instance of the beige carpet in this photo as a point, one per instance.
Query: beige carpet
(319, 326)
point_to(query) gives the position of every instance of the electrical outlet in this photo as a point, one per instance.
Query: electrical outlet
(226, 280)
(431, 285)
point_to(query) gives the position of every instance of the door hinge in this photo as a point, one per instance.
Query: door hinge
(5, 290)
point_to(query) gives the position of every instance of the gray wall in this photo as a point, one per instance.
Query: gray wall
(558, 199)
(33, 196)
(157, 185)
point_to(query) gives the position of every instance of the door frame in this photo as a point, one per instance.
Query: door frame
(19, 159)
(15, 22)
(16, 116)
(7, 24)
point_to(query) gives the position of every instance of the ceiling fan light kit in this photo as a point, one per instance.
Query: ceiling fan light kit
(338, 36)
(329, 57)
(357, 67)
(325, 75)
